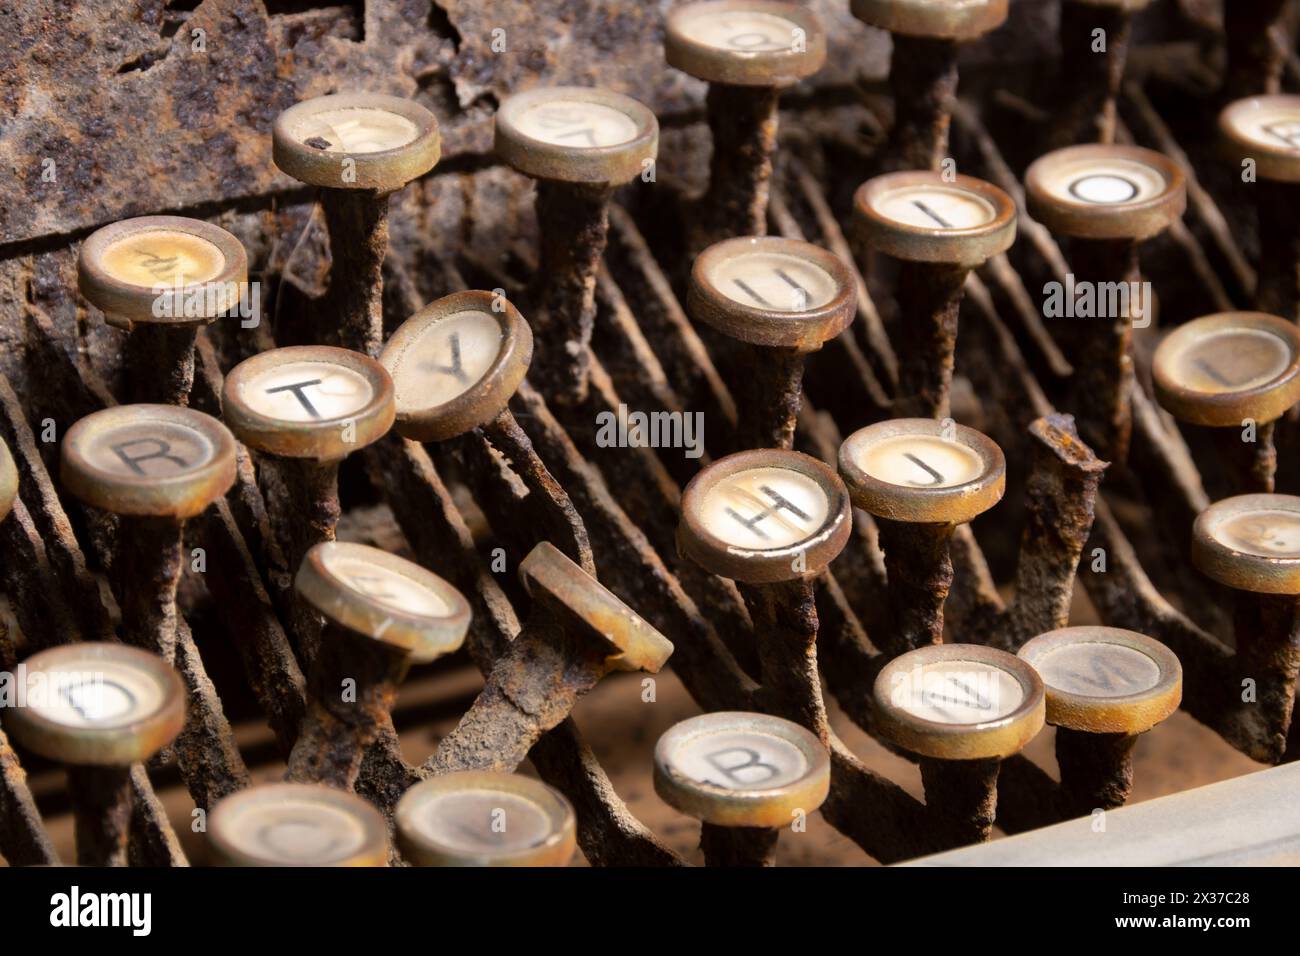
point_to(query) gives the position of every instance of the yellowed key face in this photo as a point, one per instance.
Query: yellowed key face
(1106, 182)
(297, 832)
(774, 281)
(445, 360)
(96, 693)
(745, 31)
(764, 508)
(935, 207)
(1274, 534)
(1232, 360)
(581, 125)
(1273, 124)
(921, 461)
(386, 586)
(481, 821)
(741, 760)
(155, 449)
(307, 392)
(956, 692)
(354, 130)
(162, 258)
(1095, 669)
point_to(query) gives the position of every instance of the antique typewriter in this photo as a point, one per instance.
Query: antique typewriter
(732, 432)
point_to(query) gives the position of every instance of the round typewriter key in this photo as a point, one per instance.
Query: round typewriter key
(155, 465)
(1090, 78)
(961, 708)
(939, 230)
(1104, 680)
(477, 818)
(748, 51)
(1264, 132)
(297, 824)
(384, 614)
(746, 775)
(303, 410)
(1225, 370)
(577, 632)
(923, 68)
(579, 144)
(772, 520)
(160, 278)
(1109, 199)
(456, 363)
(98, 708)
(8, 481)
(920, 478)
(358, 148)
(1251, 543)
(764, 517)
(1104, 687)
(784, 298)
(356, 141)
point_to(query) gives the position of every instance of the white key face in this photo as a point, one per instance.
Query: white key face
(1233, 360)
(1098, 669)
(386, 586)
(745, 31)
(1275, 126)
(354, 130)
(1269, 534)
(482, 822)
(576, 123)
(96, 693)
(149, 449)
(307, 392)
(297, 832)
(739, 760)
(921, 461)
(162, 257)
(1107, 182)
(764, 509)
(956, 692)
(936, 207)
(445, 359)
(773, 281)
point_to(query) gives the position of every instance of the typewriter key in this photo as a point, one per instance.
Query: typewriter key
(8, 481)
(161, 278)
(297, 824)
(772, 520)
(745, 777)
(155, 466)
(479, 818)
(747, 51)
(923, 70)
(1252, 543)
(303, 410)
(1107, 199)
(577, 633)
(456, 363)
(579, 144)
(1091, 78)
(384, 614)
(1225, 371)
(1265, 131)
(98, 708)
(1104, 687)
(961, 708)
(358, 148)
(782, 298)
(940, 228)
(920, 478)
